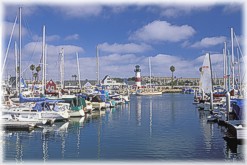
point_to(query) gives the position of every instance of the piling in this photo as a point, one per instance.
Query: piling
(211, 100)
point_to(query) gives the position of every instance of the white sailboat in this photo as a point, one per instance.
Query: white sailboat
(151, 91)
(206, 77)
(205, 85)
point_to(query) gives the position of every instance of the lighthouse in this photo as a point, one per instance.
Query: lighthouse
(137, 76)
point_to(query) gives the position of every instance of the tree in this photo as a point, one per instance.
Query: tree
(32, 67)
(75, 76)
(172, 69)
(35, 75)
(38, 68)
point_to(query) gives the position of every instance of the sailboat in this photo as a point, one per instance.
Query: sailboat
(205, 85)
(151, 91)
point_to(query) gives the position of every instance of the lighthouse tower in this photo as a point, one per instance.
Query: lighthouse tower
(138, 76)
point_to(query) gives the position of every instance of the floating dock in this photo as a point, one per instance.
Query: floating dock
(18, 125)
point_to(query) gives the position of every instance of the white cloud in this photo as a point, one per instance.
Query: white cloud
(181, 10)
(32, 54)
(81, 11)
(232, 7)
(163, 31)
(115, 65)
(124, 48)
(7, 29)
(47, 38)
(11, 11)
(209, 41)
(118, 8)
(72, 37)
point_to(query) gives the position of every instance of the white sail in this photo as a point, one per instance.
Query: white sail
(206, 75)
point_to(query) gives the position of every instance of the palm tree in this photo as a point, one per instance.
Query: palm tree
(32, 67)
(38, 68)
(172, 69)
(35, 75)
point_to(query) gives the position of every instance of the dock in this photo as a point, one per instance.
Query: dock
(18, 125)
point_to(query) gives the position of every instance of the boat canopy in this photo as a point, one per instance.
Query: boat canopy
(31, 99)
(45, 104)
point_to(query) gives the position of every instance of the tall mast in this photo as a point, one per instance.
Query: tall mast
(239, 73)
(78, 70)
(228, 71)
(149, 72)
(43, 62)
(20, 50)
(224, 63)
(232, 59)
(16, 66)
(97, 63)
(211, 72)
(62, 68)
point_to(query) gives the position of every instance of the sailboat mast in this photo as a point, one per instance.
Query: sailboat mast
(232, 59)
(62, 68)
(239, 73)
(211, 72)
(43, 62)
(16, 66)
(149, 62)
(20, 50)
(228, 71)
(224, 63)
(97, 63)
(78, 70)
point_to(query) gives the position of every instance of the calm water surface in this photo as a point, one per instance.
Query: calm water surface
(167, 127)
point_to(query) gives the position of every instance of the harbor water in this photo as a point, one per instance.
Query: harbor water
(167, 127)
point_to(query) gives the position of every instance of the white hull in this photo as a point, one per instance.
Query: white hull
(98, 105)
(241, 133)
(60, 115)
(148, 93)
(79, 113)
(89, 106)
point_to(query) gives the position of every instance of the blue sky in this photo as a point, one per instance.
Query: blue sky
(127, 34)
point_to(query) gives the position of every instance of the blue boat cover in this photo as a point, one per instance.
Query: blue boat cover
(24, 99)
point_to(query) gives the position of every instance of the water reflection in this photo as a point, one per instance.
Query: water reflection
(139, 110)
(44, 147)
(19, 148)
(150, 116)
(207, 129)
(148, 128)
(231, 150)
